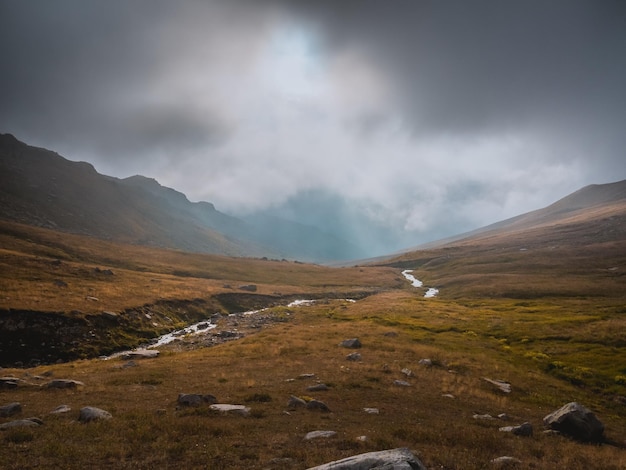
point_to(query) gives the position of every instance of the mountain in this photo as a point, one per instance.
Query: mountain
(39, 187)
(594, 213)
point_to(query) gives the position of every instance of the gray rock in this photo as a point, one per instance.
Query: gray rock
(371, 411)
(355, 356)
(10, 409)
(319, 434)
(91, 413)
(501, 385)
(61, 409)
(195, 399)
(21, 423)
(401, 383)
(576, 421)
(484, 417)
(317, 405)
(248, 287)
(9, 382)
(426, 362)
(506, 462)
(233, 409)
(525, 429)
(317, 388)
(352, 343)
(64, 383)
(407, 372)
(295, 402)
(393, 459)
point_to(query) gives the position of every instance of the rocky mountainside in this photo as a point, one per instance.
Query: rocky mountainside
(39, 187)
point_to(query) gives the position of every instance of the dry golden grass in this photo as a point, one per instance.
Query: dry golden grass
(147, 431)
(553, 326)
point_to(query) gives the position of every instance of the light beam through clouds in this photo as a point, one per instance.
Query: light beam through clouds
(388, 123)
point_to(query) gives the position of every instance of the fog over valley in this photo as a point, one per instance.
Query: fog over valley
(383, 124)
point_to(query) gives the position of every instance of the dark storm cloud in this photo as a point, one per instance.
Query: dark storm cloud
(425, 116)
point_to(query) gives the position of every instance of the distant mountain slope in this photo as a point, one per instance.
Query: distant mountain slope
(39, 187)
(583, 207)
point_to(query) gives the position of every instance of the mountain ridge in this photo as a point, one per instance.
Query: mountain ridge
(40, 187)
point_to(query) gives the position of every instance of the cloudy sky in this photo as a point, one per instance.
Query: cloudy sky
(389, 122)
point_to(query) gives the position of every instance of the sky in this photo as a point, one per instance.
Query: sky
(390, 123)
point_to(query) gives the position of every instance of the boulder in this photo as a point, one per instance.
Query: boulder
(64, 383)
(317, 405)
(233, 409)
(525, 429)
(355, 357)
(195, 399)
(91, 413)
(576, 421)
(393, 459)
(295, 402)
(352, 343)
(319, 434)
(21, 423)
(10, 409)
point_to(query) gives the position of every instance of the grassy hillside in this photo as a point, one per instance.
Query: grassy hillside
(547, 317)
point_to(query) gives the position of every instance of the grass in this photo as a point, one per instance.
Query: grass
(554, 344)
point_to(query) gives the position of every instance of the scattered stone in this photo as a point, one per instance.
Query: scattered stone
(401, 383)
(92, 299)
(64, 383)
(371, 411)
(248, 287)
(140, 354)
(194, 399)
(91, 413)
(407, 372)
(525, 429)
(10, 409)
(352, 343)
(501, 385)
(109, 314)
(21, 423)
(317, 388)
(393, 459)
(426, 362)
(355, 356)
(484, 417)
(362, 438)
(234, 409)
(319, 434)
(506, 462)
(295, 402)
(61, 409)
(448, 395)
(576, 421)
(306, 376)
(317, 405)
(504, 417)
(9, 382)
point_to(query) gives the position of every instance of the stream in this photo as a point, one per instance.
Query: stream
(430, 292)
(202, 327)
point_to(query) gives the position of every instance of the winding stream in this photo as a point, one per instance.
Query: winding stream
(430, 292)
